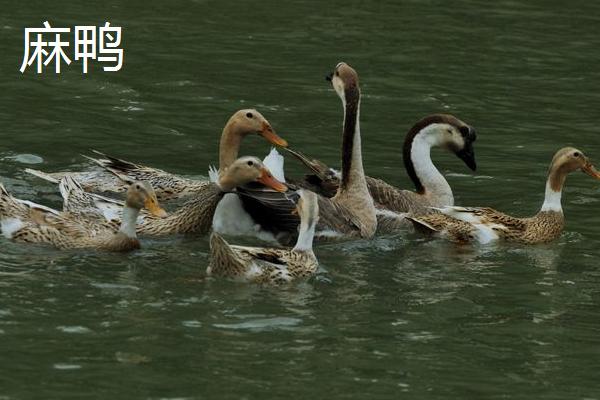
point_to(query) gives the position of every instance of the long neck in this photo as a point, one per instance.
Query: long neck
(229, 146)
(353, 175)
(554, 185)
(129, 222)
(306, 235)
(426, 177)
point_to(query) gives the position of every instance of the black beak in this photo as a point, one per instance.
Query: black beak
(467, 154)
(329, 77)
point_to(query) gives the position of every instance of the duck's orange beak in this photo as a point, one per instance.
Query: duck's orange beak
(268, 133)
(151, 204)
(267, 179)
(589, 169)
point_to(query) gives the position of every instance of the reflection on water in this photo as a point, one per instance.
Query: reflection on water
(396, 314)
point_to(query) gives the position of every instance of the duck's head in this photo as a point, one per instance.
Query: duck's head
(246, 170)
(567, 160)
(344, 80)
(141, 195)
(445, 130)
(251, 122)
(307, 206)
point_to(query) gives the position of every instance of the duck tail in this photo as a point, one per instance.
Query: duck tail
(43, 175)
(221, 256)
(3, 191)
(111, 163)
(422, 226)
(69, 184)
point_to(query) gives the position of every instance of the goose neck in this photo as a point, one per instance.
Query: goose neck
(427, 179)
(353, 175)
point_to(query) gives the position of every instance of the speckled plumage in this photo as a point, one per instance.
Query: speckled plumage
(543, 227)
(485, 225)
(64, 230)
(271, 266)
(195, 216)
(116, 175)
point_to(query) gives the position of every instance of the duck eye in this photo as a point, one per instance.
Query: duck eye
(250, 163)
(249, 115)
(138, 187)
(337, 73)
(449, 130)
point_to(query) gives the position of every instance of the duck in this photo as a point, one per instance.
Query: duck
(194, 216)
(431, 187)
(116, 174)
(27, 222)
(486, 225)
(270, 266)
(350, 213)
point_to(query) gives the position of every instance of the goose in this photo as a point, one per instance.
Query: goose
(485, 225)
(169, 186)
(28, 222)
(350, 213)
(273, 266)
(194, 216)
(431, 188)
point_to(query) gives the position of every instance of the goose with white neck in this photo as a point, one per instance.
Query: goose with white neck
(116, 175)
(28, 222)
(486, 225)
(350, 213)
(431, 188)
(273, 266)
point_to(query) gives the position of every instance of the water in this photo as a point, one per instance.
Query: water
(396, 316)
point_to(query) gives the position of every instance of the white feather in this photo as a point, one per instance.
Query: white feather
(231, 219)
(213, 174)
(552, 199)
(485, 233)
(10, 225)
(275, 163)
(461, 213)
(390, 214)
(328, 234)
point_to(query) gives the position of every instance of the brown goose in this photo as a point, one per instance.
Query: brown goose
(24, 221)
(350, 212)
(270, 265)
(485, 225)
(169, 186)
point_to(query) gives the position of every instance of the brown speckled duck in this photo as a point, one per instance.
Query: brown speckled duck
(485, 225)
(194, 216)
(28, 222)
(117, 174)
(272, 266)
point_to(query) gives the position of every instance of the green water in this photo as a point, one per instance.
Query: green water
(395, 317)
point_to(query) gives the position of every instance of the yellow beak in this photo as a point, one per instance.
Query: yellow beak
(151, 204)
(268, 133)
(589, 169)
